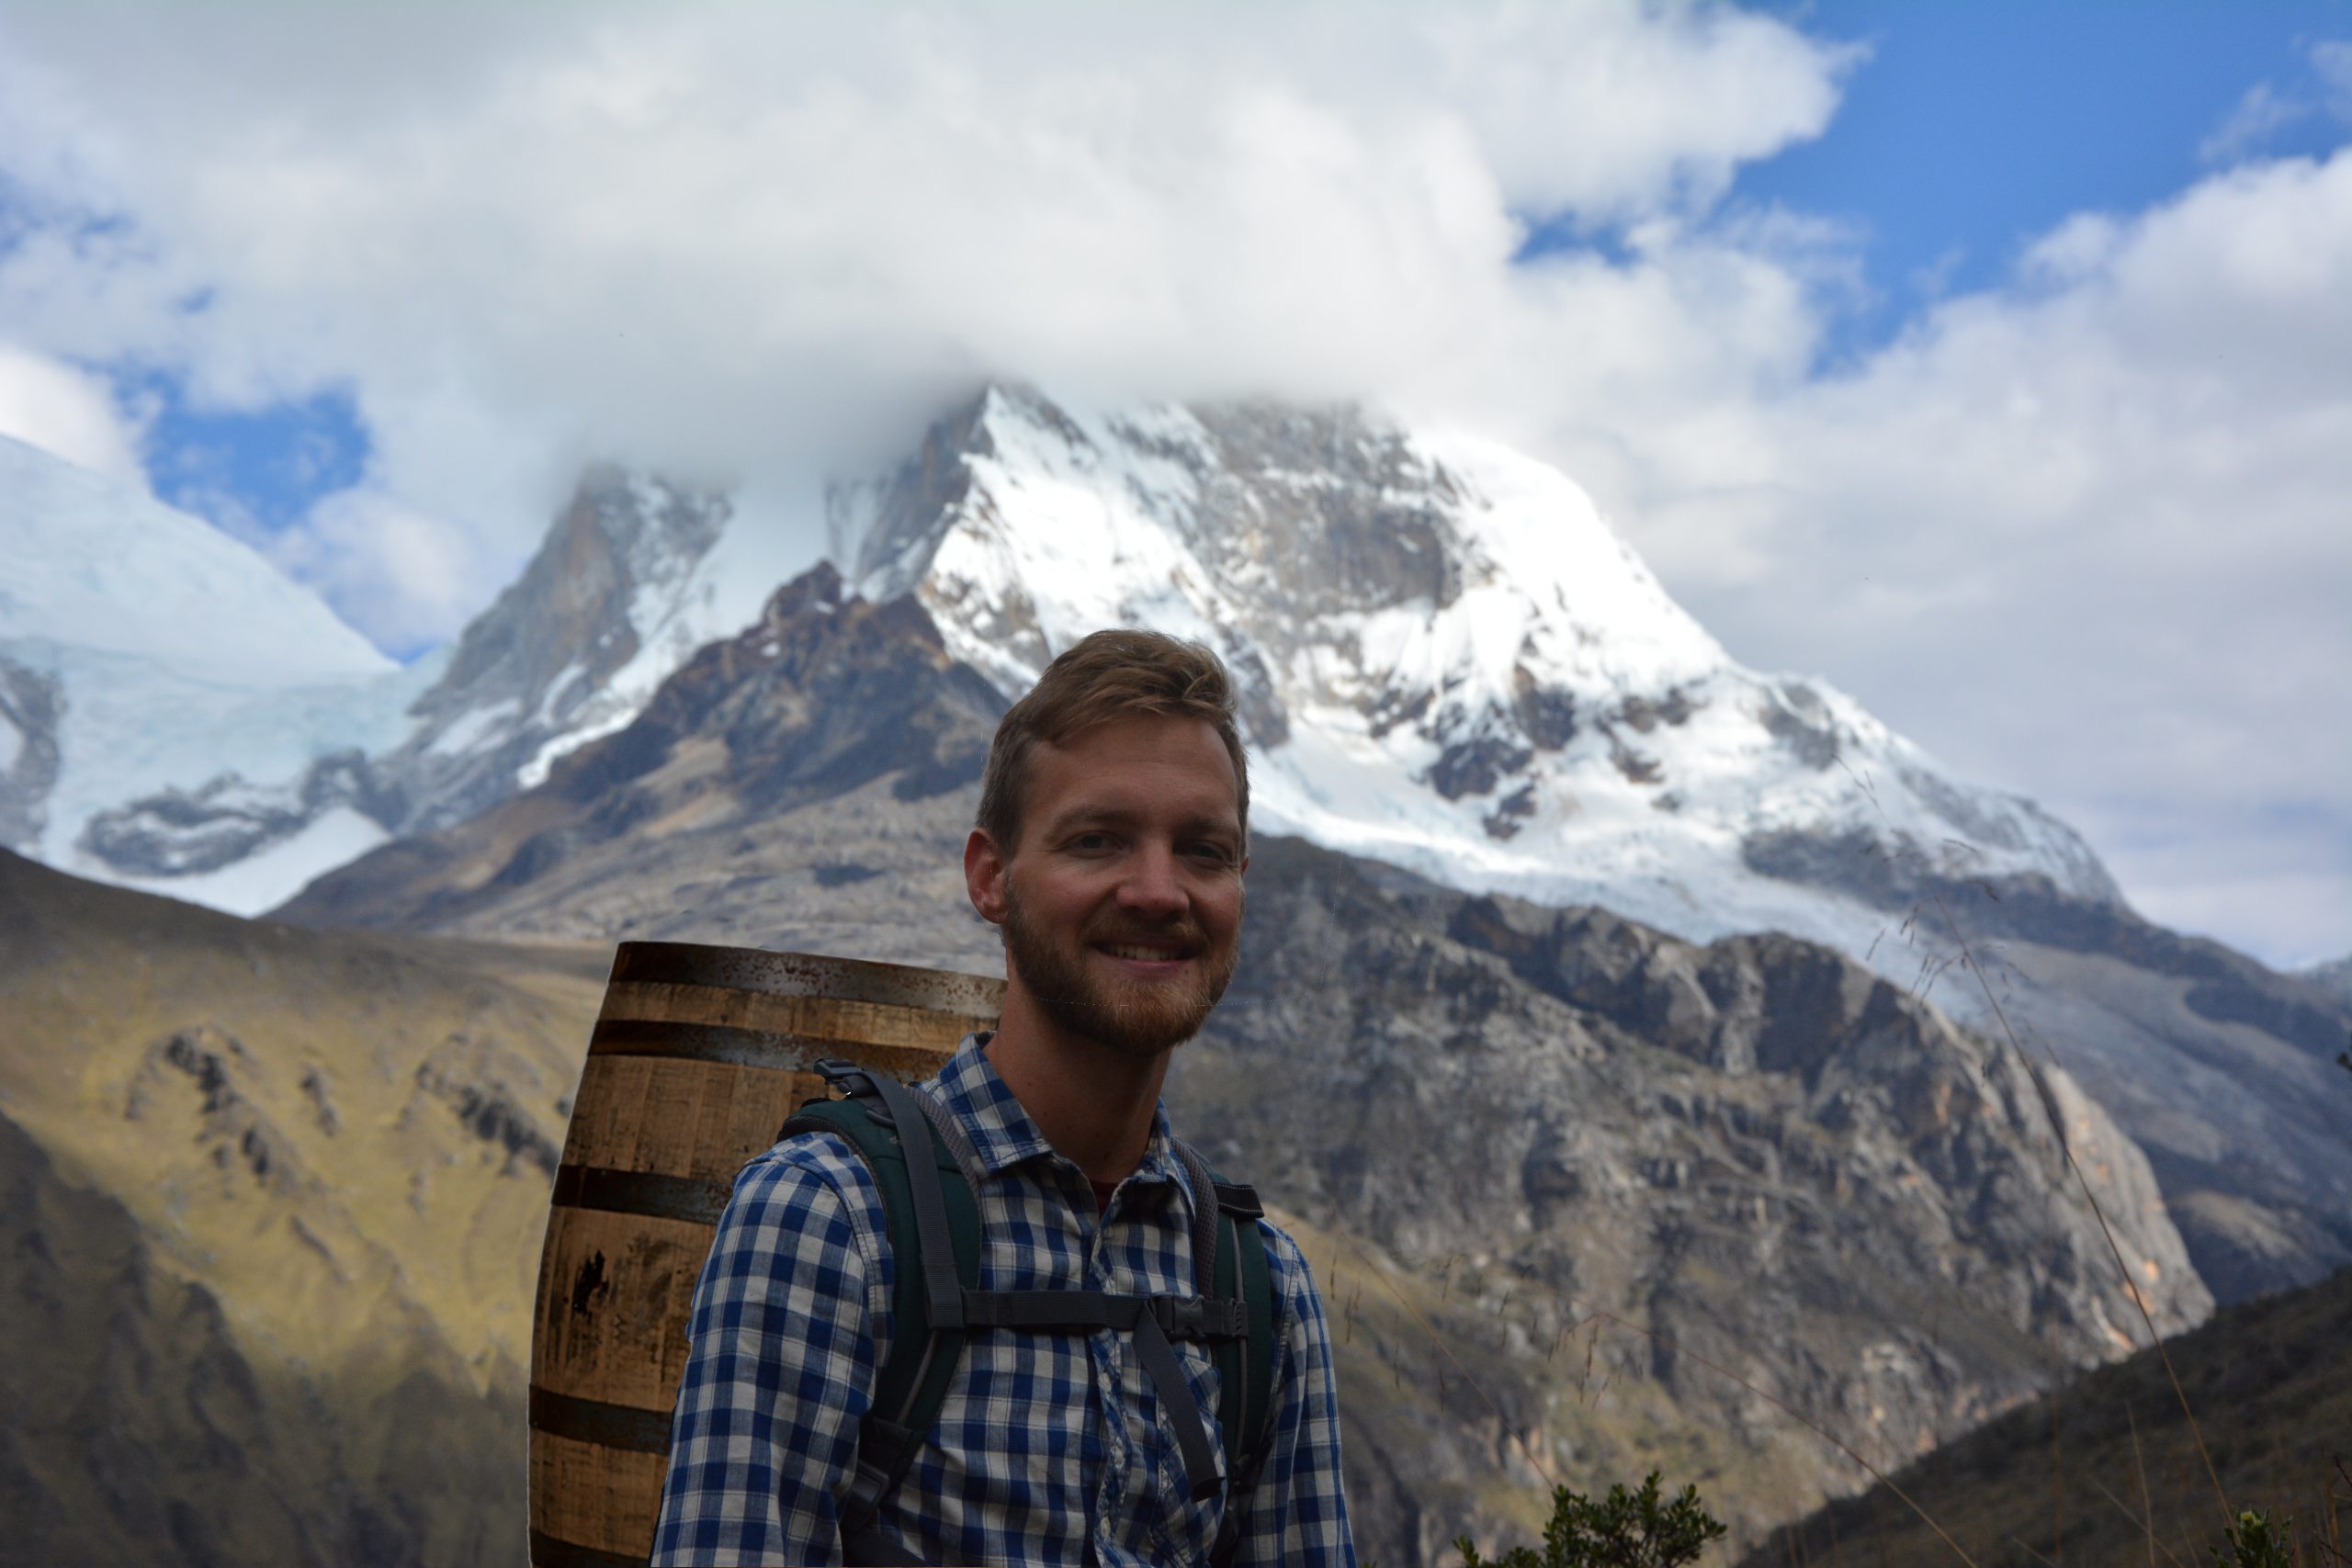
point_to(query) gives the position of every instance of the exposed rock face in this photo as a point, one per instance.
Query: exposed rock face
(552, 658)
(686, 818)
(30, 701)
(2222, 1069)
(1760, 1150)
(1604, 750)
(1757, 1150)
(225, 820)
(1448, 659)
(1450, 663)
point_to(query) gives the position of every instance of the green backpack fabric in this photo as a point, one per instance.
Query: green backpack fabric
(934, 1231)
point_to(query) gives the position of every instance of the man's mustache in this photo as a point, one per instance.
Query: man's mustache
(1185, 935)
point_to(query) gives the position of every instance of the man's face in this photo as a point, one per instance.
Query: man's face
(1121, 904)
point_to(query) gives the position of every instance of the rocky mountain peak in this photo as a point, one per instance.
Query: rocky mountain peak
(2334, 976)
(1448, 659)
(569, 649)
(825, 694)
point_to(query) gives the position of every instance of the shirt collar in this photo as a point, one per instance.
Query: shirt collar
(1003, 1135)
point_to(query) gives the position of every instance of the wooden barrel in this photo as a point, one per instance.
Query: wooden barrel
(698, 1058)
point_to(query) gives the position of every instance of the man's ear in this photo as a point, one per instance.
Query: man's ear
(984, 873)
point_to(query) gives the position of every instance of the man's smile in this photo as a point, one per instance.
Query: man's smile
(1155, 955)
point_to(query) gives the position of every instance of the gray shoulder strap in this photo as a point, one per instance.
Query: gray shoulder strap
(1205, 1216)
(952, 1133)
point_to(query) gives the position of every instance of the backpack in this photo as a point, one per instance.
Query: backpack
(933, 1223)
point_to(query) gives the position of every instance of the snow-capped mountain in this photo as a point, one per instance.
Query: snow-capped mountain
(2334, 976)
(1452, 662)
(175, 713)
(570, 651)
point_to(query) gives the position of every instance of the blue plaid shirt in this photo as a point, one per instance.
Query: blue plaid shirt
(1051, 1448)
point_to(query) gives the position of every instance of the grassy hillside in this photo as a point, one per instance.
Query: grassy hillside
(277, 1200)
(2071, 1477)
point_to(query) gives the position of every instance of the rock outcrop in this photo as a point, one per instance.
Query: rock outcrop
(1754, 1157)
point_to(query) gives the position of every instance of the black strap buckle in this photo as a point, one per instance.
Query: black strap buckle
(1238, 1199)
(1200, 1318)
(845, 1075)
(856, 1083)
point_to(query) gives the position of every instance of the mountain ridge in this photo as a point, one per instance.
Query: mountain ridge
(1448, 661)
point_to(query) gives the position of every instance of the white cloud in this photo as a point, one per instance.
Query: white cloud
(2082, 533)
(402, 577)
(1603, 117)
(67, 413)
(729, 238)
(2262, 112)
(2268, 881)
(2266, 109)
(2088, 534)
(2331, 63)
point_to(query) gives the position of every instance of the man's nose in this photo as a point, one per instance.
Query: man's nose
(1153, 883)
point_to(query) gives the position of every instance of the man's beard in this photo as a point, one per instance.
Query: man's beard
(1136, 1017)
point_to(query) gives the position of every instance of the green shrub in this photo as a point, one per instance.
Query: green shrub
(1624, 1530)
(2255, 1543)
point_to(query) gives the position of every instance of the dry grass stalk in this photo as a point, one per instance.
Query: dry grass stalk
(2140, 1465)
(2065, 1148)
(2146, 1525)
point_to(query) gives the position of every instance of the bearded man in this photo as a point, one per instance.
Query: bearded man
(1110, 849)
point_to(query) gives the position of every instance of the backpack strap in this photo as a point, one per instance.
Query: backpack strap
(934, 1223)
(1245, 1364)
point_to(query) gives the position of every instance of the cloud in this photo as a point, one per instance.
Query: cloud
(2332, 64)
(2090, 529)
(2081, 533)
(2267, 879)
(2267, 109)
(2262, 112)
(404, 577)
(66, 412)
(723, 239)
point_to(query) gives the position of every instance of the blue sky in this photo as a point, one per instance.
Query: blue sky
(1975, 125)
(1969, 128)
(254, 471)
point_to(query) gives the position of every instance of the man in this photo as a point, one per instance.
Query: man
(1109, 849)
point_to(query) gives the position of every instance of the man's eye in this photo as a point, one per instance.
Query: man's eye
(1217, 853)
(1091, 841)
